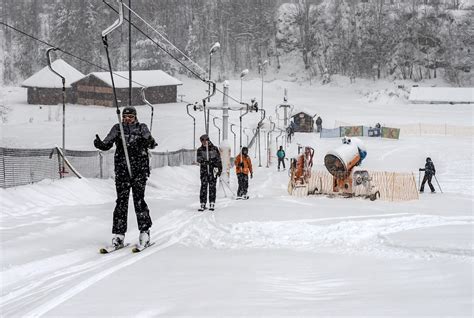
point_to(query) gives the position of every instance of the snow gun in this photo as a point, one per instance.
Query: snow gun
(300, 169)
(341, 162)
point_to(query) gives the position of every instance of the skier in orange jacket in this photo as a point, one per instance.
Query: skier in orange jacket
(243, 167)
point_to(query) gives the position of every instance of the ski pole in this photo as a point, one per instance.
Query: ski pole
(228, 187)
(222, 186)
(438, 183)
(419, 177)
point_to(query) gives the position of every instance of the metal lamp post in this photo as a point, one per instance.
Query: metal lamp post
(242, 75)
(261, 67)
(213, 50)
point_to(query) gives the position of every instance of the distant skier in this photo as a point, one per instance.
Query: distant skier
(243, 167)
(430, 171)
(290, 130)
(319, 124)
(209, 159)
(139, 140)
(281, 157)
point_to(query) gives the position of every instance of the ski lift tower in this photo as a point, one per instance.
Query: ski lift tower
(285, 107)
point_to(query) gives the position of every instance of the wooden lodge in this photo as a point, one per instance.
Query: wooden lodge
(303, 122)
(45, 87)
(96, 88)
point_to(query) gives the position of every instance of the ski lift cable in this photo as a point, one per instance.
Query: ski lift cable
(96, 65)
(164, 38)
(213, 116)
(170, 54)
(84, 60)
(156, 43)
(66, 52)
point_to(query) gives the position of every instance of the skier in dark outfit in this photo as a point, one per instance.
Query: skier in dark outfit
(139, 140)
(209, 159)
(319, 124)
(430, 171)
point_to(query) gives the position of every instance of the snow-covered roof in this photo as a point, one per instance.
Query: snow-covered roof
(301, 112)
(47, 79)
(442, 95)
(145, 78)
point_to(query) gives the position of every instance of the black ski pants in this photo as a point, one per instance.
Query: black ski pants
(123, 186)
(428, 178)
(243, 180)
(282, 161)
(207, 181)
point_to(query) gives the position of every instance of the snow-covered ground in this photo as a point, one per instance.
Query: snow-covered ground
(273, 255)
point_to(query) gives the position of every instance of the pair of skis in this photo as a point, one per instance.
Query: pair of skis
(136, 249)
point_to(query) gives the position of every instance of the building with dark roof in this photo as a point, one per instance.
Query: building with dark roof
(45, 87)
(302, 122)
(96, 88)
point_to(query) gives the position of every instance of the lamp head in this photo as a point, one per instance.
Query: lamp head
(214, 48)
(244, 73)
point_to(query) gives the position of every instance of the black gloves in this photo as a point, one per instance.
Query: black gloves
(152, 143)
(216, 172)
(98, 143)
(421, 169)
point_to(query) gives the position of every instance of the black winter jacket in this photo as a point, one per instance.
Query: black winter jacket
(213, 161)
(139, 140)
(429, 168)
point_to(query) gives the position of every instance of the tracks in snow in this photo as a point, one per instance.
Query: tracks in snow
(43, 290)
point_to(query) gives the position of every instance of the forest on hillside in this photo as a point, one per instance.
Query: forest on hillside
(406, 39)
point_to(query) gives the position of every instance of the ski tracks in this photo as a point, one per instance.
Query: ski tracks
(42, 290)
(367, 235)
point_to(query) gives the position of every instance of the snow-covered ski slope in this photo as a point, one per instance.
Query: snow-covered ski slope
(272, 255)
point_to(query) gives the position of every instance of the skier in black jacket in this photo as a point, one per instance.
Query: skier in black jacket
(139, 140)
(209, 159)
(430, 171)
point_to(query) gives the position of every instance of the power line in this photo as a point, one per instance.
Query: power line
(165, 50)
(164, 38)
(65, 52)
(156, 43)
(104, 69)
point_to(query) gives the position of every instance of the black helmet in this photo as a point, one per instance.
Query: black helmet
(129, 110)
(204, 137)
(428, 159)
(245, 150)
